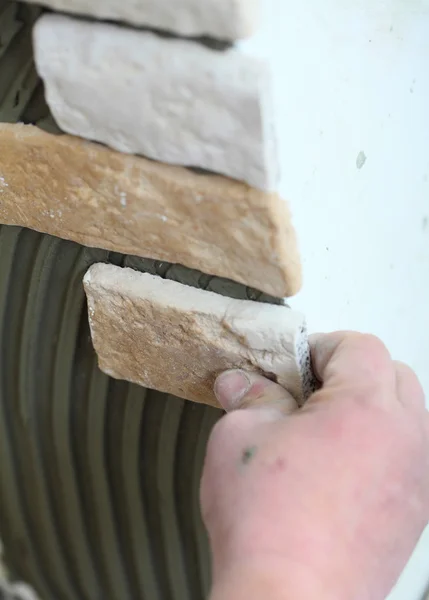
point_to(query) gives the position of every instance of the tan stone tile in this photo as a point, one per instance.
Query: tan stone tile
(177, 339)
(90, 194)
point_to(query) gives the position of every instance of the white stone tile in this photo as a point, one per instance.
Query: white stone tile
(175, 101)
(222, 19)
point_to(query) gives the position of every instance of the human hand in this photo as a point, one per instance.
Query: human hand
(327, 501)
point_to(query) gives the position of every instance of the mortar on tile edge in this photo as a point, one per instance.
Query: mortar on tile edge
(309, 381)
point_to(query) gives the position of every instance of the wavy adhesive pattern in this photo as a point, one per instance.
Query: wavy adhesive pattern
(99, 478)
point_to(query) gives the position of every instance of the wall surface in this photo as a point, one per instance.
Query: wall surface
(352, 100)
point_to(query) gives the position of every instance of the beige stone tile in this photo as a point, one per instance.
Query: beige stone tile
(90, 194)
(177, 339)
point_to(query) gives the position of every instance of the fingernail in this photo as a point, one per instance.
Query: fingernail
(231, 387)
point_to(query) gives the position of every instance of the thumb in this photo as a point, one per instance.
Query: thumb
(254, 404)
(237, 389)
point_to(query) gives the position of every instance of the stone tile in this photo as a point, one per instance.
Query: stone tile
(171, 100)
(176, 339)
(90, 194)
(222, 19)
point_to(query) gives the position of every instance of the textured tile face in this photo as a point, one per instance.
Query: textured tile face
(176, 339)
(222, 19)
(171, 100)
(84, 192)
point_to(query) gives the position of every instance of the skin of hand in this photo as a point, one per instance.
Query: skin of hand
(323, 502)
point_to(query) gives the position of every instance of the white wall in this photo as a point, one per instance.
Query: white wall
(352, 76)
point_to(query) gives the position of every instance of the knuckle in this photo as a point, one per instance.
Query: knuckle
(374, 345)
(410, 377)
(406, 372)
(375, 356)
(406, 369)
(409, 389)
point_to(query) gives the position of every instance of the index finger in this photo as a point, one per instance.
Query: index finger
(351, 359)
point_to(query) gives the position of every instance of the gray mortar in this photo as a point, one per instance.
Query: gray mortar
(99, 479)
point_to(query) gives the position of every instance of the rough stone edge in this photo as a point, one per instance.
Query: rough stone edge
(308, 382)
(243, 24)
